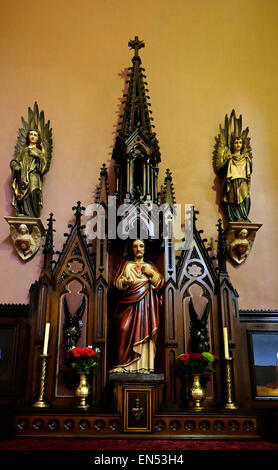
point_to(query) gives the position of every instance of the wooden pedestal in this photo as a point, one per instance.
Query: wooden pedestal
(137, 397)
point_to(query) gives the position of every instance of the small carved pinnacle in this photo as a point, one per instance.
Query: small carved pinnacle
(78, 211)
(168, 175)
(48, 250)
(221, 247)
(103, 171)
(195, 212)
(136, 44)
(219, 226)
(51, 218)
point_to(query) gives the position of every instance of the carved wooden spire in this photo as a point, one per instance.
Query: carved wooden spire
(136, 151)
(221, 247)
(48, 249)
(168, 189)
(136, 113)
(102, 191)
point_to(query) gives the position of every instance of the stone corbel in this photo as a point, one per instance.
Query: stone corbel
(240, 237)
(26, 234)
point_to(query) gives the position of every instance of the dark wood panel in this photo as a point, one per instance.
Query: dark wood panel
(258, 316)
(218, 424)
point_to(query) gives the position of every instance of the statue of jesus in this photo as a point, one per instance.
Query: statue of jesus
(137, 312)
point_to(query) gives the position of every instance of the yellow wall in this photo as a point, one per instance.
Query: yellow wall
(202, 58)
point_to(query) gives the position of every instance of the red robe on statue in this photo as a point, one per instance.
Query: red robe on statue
(136, 316)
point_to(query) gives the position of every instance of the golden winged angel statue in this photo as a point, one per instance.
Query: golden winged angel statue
(233, 161)
(32, 157)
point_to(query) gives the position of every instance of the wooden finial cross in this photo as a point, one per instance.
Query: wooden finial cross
(136, 44)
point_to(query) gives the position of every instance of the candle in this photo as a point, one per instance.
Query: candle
(46, 338)
(226, 347)
(276, 372)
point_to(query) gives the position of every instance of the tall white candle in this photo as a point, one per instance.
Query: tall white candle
(46, 338)
(226, 347)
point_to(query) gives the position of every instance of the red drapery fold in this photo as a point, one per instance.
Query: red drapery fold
(136, 318)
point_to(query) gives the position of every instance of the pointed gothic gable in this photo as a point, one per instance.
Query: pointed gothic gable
(195, 265)
(75, 250)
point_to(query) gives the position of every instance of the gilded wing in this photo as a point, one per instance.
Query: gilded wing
(13, 232)
(36, 233)
(246, 143)
(230, 237)
(223, 144)
(46, 135)
(21, 142)
(251, 237)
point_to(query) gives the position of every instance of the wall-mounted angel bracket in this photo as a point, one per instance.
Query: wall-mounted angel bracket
(240, 237)
(26, 234)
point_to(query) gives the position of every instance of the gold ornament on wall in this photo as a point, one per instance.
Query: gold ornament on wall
(31, 161)
(234, 165)
(234, 162)
(32, 157)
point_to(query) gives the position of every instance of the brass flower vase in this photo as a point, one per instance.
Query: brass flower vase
(82, 392)
(197, 392)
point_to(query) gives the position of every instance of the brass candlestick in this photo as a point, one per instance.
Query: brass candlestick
(41, 403)
(230, 404)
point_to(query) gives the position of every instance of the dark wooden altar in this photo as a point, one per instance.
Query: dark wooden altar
(167, 412)
(155, 405)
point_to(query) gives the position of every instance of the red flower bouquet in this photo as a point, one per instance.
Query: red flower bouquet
(83, 359)
(197, 363)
